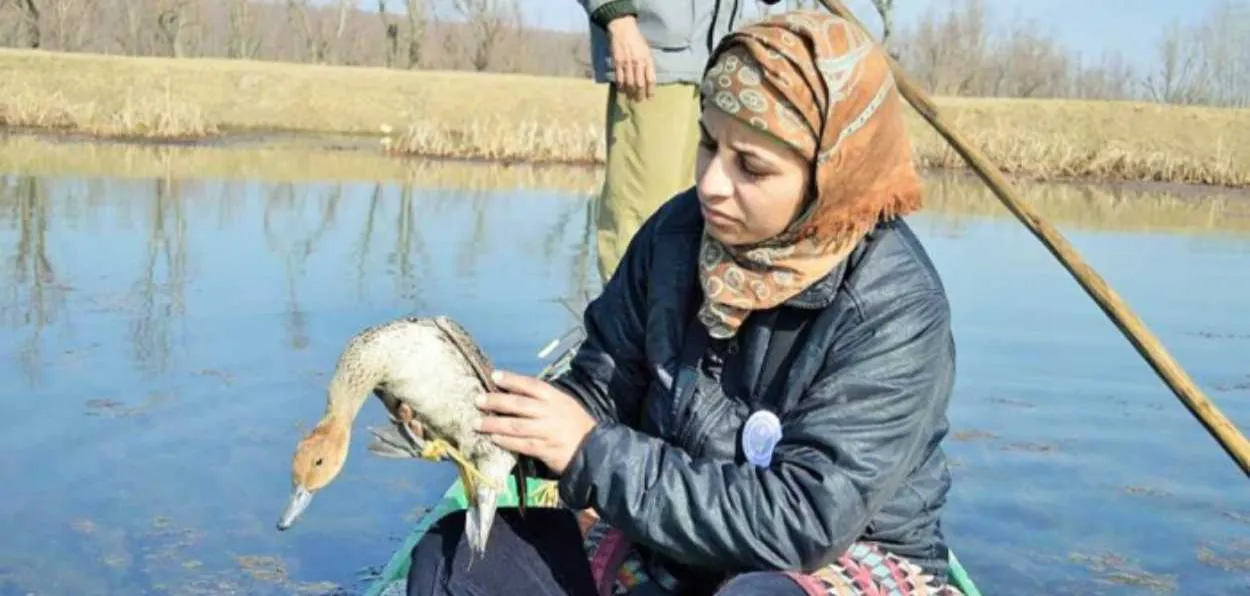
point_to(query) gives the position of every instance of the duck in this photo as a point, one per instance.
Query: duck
(427, 372)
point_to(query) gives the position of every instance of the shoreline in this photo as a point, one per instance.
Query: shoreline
(330, 141)
(951, 196)
(371, 147)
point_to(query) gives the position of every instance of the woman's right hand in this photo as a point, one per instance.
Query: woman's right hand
(631, 58)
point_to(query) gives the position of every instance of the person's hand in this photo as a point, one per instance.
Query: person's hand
(537, 420)
(631, 58)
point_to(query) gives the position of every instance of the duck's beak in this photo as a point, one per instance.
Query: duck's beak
(300, 498)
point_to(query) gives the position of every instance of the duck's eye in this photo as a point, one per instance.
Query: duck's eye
(318, 462)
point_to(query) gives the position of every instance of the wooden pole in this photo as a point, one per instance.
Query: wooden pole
(1149, 346)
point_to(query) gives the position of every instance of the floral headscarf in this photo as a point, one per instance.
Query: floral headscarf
(822, 86)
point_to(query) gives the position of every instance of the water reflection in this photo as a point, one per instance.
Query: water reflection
(295, 244)
(1109, 208)
(174, 335)
(296, 217)
(160, 291)
(36, 296)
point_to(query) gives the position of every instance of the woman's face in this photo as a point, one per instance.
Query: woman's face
(750, 185)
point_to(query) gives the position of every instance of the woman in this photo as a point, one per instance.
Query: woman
(828, 480)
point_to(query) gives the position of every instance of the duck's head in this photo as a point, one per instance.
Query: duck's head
(319, 457)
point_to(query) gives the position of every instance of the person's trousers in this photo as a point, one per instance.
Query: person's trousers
(539, 554)
(652, 145)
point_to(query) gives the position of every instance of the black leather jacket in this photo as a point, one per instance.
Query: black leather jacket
(863, 411)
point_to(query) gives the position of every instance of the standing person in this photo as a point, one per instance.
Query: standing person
(652, 54)
(760, 401)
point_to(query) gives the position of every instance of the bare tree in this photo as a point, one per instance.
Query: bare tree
(298, 14)
(68, 25)
(132, 36)
(1030, 64)
(171, 25)
(390, 32)
(415, 10)
(1180, 77)
(30, 21)
(242, 40)
(322, 46)
(947, 49)
(490, 21)
(1109, 78)
(340, 27)
(581, 52)
(1225, 54)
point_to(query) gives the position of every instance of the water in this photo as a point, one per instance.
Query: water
(166, 342)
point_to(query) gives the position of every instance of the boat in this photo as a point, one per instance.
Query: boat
(392, 579)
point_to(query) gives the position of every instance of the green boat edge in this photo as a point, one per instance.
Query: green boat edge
(393, 577)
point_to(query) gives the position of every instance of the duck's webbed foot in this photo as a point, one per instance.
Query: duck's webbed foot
(435, 450)
(404, 438)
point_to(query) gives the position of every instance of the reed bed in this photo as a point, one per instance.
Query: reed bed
(559, 120)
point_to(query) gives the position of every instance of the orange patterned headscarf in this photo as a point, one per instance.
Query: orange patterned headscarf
(822, 86)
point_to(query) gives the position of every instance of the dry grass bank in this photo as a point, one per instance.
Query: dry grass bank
(527, 118)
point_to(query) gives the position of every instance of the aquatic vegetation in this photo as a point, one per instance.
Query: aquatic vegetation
(1112, 568)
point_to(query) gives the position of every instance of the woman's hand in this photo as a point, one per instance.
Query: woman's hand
(537, 420)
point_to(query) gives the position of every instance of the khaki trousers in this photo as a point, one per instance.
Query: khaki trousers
(651, 152)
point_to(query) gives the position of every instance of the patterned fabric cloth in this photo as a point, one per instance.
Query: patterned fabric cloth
(868, 570)
(823, 87)
(865, 570)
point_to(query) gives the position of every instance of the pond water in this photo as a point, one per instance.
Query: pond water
(166, 341)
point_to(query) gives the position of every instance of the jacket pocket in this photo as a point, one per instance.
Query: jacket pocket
(667, 24)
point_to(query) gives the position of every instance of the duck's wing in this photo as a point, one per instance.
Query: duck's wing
(459, 337)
